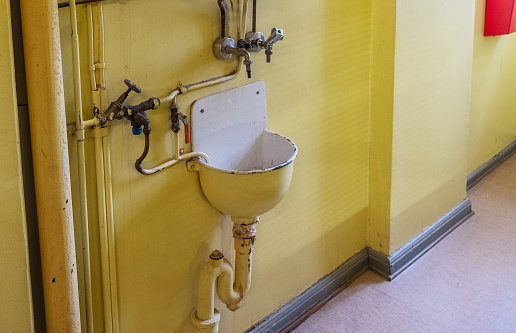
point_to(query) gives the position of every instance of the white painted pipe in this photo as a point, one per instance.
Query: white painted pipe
(91, 49)
(41, 35)
(102, 212)
(207, 83)
(103, 171)
(108, 187)
(79, 125)
(231, 285)
(172, 162)
(110, 224)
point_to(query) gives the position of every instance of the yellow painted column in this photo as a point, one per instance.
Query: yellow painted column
(51, 168)
(382, 98)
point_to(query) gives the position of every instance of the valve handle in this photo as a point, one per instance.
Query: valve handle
(132, 86)
(276, 36)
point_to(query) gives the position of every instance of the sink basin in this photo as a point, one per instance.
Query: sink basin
(251, 167)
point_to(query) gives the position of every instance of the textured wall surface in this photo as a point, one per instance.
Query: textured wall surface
(317, 89)
(434, 45)
(493, 101)
(15, 290)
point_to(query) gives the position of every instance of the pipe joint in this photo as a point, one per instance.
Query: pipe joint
(244, 231)
(80, 135)
(209, 325)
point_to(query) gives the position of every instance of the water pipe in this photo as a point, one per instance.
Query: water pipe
(183, 89)
(103, 170)
(179, 158)
(45, 88)
(231, 284)
(254, 15)
(223, 6)
(80, 136)
(78, 2)
(91, 49)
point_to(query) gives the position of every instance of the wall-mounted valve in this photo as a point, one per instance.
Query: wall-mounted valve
(224, 48)
(136, 114)
(257, 41)
(115, 108)
(177, 118)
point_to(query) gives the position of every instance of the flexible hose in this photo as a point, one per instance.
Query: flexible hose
(138, 163)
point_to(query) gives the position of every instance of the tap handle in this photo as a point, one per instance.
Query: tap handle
(132, 87)
(276, 36)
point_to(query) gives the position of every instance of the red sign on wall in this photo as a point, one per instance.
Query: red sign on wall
(500, 17)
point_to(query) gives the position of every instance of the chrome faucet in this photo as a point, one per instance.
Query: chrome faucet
(225, 47)
(257, 41)
(241, 52)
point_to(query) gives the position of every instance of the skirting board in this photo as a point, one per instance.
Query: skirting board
(486, 168)
(315, 296)
(392, 265)
(294, 312)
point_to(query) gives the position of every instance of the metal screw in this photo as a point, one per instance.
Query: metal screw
(181, 151)
(202, 110)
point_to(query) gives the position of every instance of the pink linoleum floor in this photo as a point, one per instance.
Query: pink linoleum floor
(466, 283)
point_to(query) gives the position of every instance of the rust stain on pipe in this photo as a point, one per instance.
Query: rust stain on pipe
(223, 16)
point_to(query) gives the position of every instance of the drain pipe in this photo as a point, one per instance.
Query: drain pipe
(231, 285)
(43, 65)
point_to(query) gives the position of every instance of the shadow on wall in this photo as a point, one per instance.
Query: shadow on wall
(28, 172)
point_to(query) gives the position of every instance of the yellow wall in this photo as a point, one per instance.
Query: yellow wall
(434, 42)
(317, 94)
(493, 102)
(376, 96)
(15, 290)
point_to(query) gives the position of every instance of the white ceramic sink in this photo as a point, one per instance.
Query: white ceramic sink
(251, 168)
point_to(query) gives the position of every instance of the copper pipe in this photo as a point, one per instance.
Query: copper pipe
(138, 163)
(223, 16)
(254, 15)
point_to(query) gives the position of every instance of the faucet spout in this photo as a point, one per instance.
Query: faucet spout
(241, 52)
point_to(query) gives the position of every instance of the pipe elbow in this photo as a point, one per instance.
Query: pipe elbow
(225, 289)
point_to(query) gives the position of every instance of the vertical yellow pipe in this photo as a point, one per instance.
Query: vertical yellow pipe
(51, 168)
